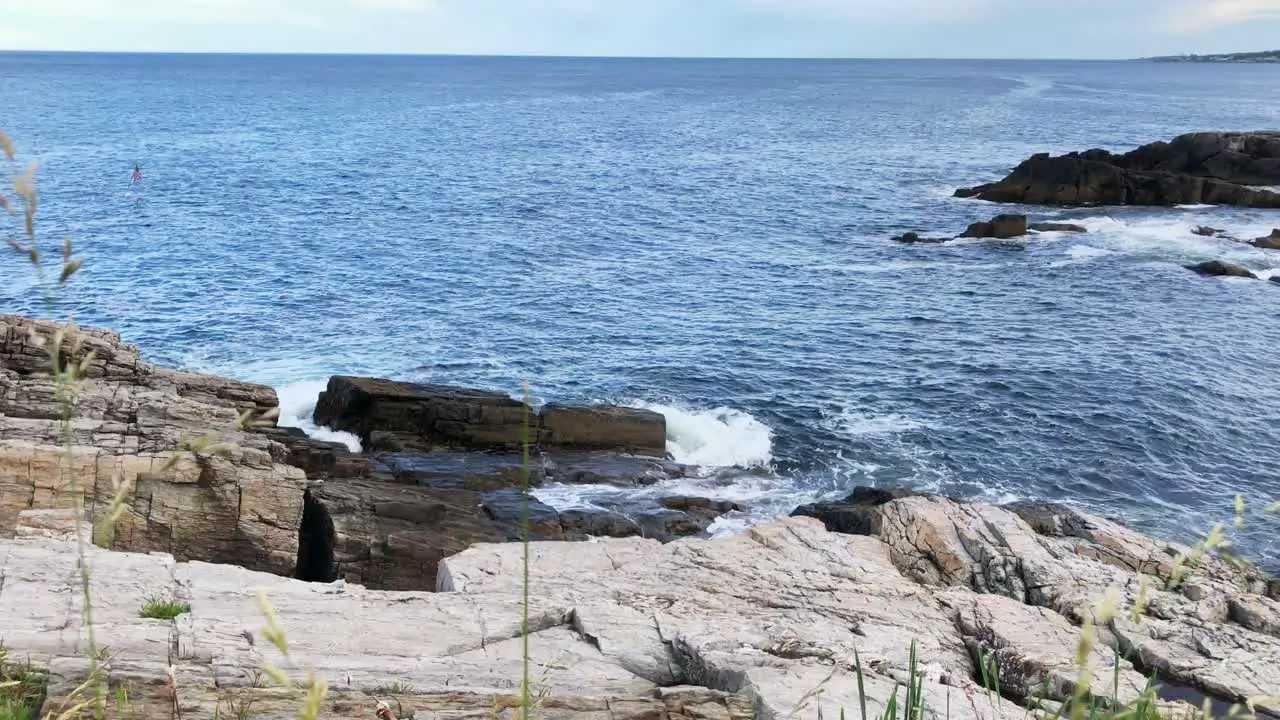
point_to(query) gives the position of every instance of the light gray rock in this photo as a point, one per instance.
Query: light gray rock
(770, 620)
(446, 652)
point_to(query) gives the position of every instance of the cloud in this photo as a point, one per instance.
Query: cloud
(164, 12)
(1095, 28)
(1201, 15)
(878, 11)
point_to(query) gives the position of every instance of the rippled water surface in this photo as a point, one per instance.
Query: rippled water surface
(709, 238)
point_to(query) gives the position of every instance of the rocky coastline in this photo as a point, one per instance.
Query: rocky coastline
(1206, 168)
(395, 576)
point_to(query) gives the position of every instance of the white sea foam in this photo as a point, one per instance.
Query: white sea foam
(298, 401)
(1170, 239)
(860, 424)
(1077, 254)
(764, 497)
(1087, 252)
(720, 437)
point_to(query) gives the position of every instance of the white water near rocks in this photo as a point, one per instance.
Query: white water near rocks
(716, 438)
(298, 402)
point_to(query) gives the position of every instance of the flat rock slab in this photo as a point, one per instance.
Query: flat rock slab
(603, 427)
(767, 620)
(391, 415)
(425, 652)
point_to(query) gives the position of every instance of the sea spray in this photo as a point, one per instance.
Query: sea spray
(298, 402)
(719, 437)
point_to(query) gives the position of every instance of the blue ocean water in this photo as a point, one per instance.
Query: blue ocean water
(709, 237)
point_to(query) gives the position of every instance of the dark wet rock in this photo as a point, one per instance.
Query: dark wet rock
(1000, 227)
(1057, 227)
(702, 506)
(609, 469)
(914, 238)
(478, 471)
(389, 529)
(1269, 242)
(1206, 231)
(420, 417)
(857, 513)
(603, 427)
(662, 524)
(397, 417)
(388, 535)
(507, 507)
(1218, 268)
(1198, 168)
(317, 458)
(1274, 279)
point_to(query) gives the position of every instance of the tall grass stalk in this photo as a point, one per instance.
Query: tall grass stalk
(526, 696)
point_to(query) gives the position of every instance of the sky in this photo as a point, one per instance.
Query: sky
(694, 28)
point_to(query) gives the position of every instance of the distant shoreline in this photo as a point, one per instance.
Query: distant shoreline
(1266, 56)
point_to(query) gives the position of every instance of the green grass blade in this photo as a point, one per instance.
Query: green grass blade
(862, 690)
(526, 699)
(891, 708)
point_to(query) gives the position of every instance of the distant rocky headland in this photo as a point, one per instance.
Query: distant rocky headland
(395, 578)
(1265, 56)
(1204, 168)
(1238, 169)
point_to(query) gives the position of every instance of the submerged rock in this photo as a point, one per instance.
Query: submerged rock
(914, 238)
(1000, 227)
(1206, 231)
(1214, 268)
(1057, 227)
(1197, 168)
(599, 468)
(1268, 242)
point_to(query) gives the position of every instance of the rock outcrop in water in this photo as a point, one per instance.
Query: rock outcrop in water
(1001, 227)
(1218, 268)
(764, 624)
(277, 501)
(1193, 169)
(389, 415)
(1268, 242)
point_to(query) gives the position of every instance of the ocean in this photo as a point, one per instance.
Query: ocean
(709, 238)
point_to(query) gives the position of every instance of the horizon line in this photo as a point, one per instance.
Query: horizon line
(550, 56)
